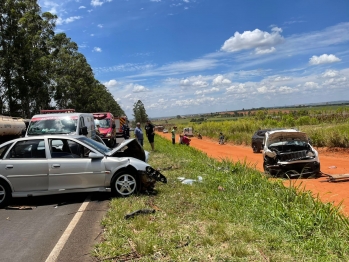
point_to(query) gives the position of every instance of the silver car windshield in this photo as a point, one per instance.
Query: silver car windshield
(96, 145)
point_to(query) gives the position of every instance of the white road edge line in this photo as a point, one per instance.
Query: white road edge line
(65, 236)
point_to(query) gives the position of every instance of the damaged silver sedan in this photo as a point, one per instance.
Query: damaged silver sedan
(288, 153)
(56, 164)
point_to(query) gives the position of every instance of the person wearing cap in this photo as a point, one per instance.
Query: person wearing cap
(150, 132)
(174, 134)
(139, 133)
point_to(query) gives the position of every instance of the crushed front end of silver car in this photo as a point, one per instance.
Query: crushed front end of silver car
(149, 178)
(288, 153)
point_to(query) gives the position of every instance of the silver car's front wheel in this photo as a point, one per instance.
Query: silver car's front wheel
(5, 194)
(124, 184)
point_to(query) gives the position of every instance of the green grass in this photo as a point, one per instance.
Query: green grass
(234, 214)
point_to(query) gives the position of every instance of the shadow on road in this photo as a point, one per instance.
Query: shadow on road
(56, 200)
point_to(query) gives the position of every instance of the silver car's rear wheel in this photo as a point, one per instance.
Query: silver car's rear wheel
(5, 194)
(124, 183)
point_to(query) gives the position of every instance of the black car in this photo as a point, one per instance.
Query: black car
(258, 137)
(257, 140)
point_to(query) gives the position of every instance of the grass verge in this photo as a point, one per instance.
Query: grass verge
(234, 214)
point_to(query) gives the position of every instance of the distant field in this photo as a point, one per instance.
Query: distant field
(327, 126)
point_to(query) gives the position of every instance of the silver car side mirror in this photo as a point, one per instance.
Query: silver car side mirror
(95, 155)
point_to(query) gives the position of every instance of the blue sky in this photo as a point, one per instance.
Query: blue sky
(201, 56)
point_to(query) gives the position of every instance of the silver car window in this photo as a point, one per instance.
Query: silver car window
(4, 149)
(95, 145)
(66, 148)
(28, 149)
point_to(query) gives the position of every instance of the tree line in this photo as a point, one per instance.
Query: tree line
(40, 69)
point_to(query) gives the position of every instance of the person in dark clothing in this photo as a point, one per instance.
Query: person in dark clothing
(125, 131)
(150, 132)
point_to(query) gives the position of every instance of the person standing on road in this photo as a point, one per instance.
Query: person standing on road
(150, 132)
(126, 130)
(139, 133)
(174, 135)
(221, 139)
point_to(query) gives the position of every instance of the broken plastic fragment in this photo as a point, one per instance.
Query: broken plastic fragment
(188, 181)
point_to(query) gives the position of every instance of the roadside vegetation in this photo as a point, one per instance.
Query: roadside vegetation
(42, 69)
(234, 214)
(326, 126)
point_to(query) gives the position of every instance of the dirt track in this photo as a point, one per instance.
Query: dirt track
(332, 162)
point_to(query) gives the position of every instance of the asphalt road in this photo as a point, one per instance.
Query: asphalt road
(30, 235)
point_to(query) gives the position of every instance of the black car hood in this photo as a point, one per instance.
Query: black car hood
(129, 148)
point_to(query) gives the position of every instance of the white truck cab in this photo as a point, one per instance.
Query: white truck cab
(62, 123)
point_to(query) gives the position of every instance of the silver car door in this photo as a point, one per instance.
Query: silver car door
(25, 166)
(71, 168)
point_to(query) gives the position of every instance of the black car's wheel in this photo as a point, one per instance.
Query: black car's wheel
(5, 194)
(255, 148)
(124, 183)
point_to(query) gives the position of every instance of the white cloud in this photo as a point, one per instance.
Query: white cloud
(311, 85)
(129, 67)
(262, 41)
(281, 78)
(220, 80)
(68, 20)
(191, 102)
(92, 35)
(72, 19)
(265, 89)
(199, 83)
(287, 90)
(336, 82)
(237, 89)
(111, 83)
(100, 26)
(260, 51)
(207, 91)
(185, 82)
(323, 59)
(82, 7)
(139, 88)
(155, 0)
(97, 49)
(96, 3)
(330, 73)
(194, 81)
(50, 6)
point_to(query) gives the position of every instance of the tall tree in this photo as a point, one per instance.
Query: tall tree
(23, 67)
(139, 112)
(41, 70)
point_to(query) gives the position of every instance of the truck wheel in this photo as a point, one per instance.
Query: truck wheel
(5, 194)
(124, 183)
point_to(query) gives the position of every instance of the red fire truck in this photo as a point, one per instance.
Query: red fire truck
(110, 127)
